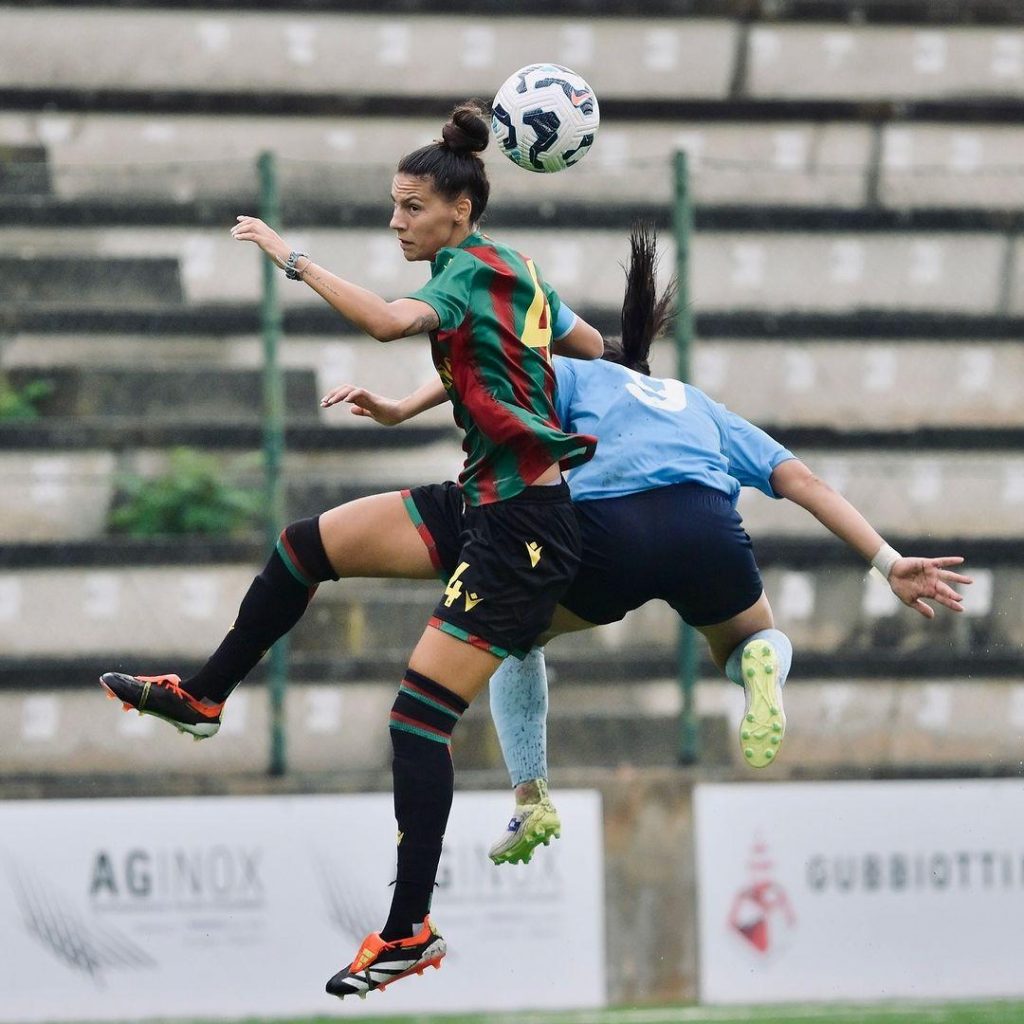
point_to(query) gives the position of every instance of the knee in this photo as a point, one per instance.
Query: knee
(302, 543)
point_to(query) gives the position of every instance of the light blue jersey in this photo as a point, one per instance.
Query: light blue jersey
(654, 433)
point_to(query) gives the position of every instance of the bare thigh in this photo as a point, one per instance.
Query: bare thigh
(375, 537)
(723, 637)
(456, 665)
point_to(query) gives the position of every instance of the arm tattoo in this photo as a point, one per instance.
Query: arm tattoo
(423, 325)
(319, 281)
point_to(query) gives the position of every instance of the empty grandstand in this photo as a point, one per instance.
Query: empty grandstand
(857, 279)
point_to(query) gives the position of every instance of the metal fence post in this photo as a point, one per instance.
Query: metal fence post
(686, 644)
(273, 450)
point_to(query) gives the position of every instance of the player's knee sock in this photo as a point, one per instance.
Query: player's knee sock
(275, 601)
(422, 719)
(519, 708)
(783, 651)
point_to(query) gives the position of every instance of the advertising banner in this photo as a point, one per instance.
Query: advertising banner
(228, 907)
(860, 890)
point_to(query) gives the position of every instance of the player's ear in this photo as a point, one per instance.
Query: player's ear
(463, 209)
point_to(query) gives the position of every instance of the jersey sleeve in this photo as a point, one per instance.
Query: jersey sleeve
(563, 319)
(449, 290)
(563, 322)
(752, 453)
(565, 385)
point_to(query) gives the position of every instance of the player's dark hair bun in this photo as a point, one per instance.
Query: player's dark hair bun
(451, 162)
(466, 130)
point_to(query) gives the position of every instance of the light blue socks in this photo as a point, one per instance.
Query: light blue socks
(519, 703)
(519, 708)
(778, 640)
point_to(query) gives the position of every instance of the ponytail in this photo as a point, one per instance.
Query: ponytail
(645, 314)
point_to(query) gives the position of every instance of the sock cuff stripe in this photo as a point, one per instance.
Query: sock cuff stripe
(416, 693)
(404, 724)
(291, 561)
(427, 686)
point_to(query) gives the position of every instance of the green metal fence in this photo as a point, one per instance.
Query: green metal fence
(273, 451)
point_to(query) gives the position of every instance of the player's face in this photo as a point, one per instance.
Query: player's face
(423, 219)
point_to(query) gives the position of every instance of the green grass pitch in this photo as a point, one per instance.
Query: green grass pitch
(945, 1013)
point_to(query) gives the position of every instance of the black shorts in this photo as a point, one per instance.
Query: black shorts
(684, 544)
(506, 565)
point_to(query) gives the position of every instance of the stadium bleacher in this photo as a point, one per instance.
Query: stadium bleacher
(858, 284)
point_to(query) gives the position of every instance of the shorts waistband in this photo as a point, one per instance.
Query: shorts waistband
(686, 490)
(542, 494)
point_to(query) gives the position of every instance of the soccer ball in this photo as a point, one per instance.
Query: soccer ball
(545, 117)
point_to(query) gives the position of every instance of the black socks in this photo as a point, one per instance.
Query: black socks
(274, 603)
(422, 719)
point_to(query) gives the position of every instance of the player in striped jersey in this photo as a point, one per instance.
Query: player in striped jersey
(509, 520)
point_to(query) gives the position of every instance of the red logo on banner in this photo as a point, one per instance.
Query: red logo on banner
(761, 912)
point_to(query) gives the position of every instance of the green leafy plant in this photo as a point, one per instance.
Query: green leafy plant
(192, 497)
(19, 403)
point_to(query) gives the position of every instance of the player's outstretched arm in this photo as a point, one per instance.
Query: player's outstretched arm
(387, 411)
(582, 342)
(383, 320)
(913, 580)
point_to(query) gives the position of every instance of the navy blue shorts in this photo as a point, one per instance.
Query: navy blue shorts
(683, 544)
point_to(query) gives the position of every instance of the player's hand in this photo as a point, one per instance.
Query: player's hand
(913, 579)
(252, 229)
(386, 411)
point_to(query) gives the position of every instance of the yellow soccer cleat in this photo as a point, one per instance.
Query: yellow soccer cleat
(764, 720)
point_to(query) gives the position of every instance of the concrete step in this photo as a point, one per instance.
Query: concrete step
(361, 55)
(24, 168)
(179, 613)
(168, 394)
(366, 55)
(881, 62)
(88, 279)
(894, 382)
(927, 271)
(62, 491)
(126, 433)
(186, 158)
(876, 726)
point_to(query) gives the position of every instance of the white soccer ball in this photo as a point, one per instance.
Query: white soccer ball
(545, 117)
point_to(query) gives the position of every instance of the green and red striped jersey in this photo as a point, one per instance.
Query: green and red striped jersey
(493, 354)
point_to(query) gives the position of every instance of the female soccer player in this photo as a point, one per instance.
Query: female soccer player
(509, 521)
(656, 507)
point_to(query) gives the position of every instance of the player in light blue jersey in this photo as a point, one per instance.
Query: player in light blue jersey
(657, 513)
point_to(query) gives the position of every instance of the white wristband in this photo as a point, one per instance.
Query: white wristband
(885, 558)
